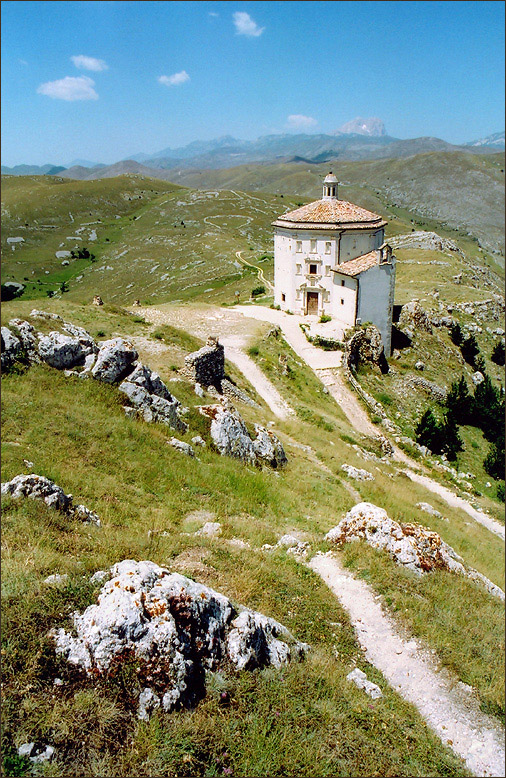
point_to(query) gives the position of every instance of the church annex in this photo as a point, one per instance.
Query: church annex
(330, 258)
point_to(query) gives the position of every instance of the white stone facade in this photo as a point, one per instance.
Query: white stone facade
(311, 271)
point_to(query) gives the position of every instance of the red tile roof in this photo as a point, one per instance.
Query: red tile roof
(358, 265)
(330, 212)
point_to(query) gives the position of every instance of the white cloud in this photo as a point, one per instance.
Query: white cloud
(22, 62)
(89, 63)
(69, 88)
(245, 25)
(175, 79)
(212, 13)
(300, 121)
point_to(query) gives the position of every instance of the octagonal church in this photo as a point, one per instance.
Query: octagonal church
(330, 258)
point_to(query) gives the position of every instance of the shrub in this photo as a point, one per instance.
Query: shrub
(494, 461)
(439, 437)
(497, 355)
(456, 334)
(459, 401)
(258, 290)
(253, 351)
(470, 350)
(101, 334)
(500, 491)
(324, 318)
(489, 409)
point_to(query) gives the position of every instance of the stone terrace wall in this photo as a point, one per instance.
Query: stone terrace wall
(207, 365)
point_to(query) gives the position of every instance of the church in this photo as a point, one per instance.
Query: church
(330, 258)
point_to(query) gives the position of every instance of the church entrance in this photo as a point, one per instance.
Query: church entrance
(312, 303)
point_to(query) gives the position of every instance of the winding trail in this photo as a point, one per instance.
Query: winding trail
(448, 706)
(259, 270)
(324, 364)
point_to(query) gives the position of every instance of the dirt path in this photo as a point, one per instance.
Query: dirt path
(325, 364)
(259, 270)
(449, 707)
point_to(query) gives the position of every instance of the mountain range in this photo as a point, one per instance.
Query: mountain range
(359, 139)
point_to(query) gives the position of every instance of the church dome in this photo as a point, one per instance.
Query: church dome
(330, 214)
(330, 179)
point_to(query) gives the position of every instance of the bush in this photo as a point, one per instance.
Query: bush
(470, 350)
(456, 334)
(494, 461)
(488, 412)
(258, 290)
(324, 318)
(439, 437)
(497, 355)
(459, 402)
(500, 491)
(253, 351)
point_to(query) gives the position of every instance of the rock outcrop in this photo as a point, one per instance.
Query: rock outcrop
(28, 337)
(37, 487)
(231, 437)
(411, 545)
(413, 317)
(365, 345)
(11, 348)
(66, 351)
(151, 398)
(176, 629)
(207, 365)
(114, 360)
(421, 239)
(357, 473)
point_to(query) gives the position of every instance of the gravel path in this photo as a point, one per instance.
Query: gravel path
(448, 706)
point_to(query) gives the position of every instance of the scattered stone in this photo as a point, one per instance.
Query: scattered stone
(198, 440)
(199, 391)
(36, 755)
(477, 378)
(99, 576)
(114, 360)
(162, 408)
(56, 578)
(36, 314)
(97, 300)
(411, 545)
(357, 473)
(180, 445)
(359, 678)
(293, 545)
(419, 365)
(37, 487)
(210, 529)
(136, 303)
(176, 629)
(424, 506)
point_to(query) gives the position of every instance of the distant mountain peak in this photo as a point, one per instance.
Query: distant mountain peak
(492, 141)
(359, 126)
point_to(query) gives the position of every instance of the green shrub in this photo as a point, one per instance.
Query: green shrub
(253, 351)
(324, 318)
(497, 355)
(258, 290)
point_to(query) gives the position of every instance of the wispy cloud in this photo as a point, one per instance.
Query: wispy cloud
(298, 121)
(175, 79)
(89, 63)
(245, 25)
(22, 62)
(69, 88)
(212, 13)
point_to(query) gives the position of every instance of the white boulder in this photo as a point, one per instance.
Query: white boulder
(38, 487)
(359, 678)
(114, 360)
(357, 473)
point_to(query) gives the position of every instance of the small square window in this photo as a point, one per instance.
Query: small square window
(312, 270)
(342, 301)
(283, 298)
(312, 250)
(343, 283)
(327, 270)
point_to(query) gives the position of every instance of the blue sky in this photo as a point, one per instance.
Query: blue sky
(82, 79)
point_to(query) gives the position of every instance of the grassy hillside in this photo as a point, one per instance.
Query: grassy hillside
(305, 719)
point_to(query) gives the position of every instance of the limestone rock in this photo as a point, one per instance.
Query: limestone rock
(268, 447)
(172, 624)
(422, 239)
(180, 445)
(210, 529)
(153, 408)
(114, 360)
(37, 487)
(36, 314)
(63, 351)
(419, 365)
(293, 545)
(414, 316)
(150, 381)
(365, 345)
(11, 348)
(411, 545)
(477, 378)
(56, 579)
(36, 755)
(424, 506)
(359, 678)
(357, 473)
(27, 335)
(198, 440)
(97, 300)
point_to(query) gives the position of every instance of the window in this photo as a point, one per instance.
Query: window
(312, 270)
(343, 283)
(328, 244)
(327, 270)
(298, 247)
(342, 301)
(283, 298)
(312, 250)
(299, 270)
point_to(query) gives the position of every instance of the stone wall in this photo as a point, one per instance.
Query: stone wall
(207, 365)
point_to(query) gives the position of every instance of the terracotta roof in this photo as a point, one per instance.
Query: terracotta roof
(357, 265)
(330, 212)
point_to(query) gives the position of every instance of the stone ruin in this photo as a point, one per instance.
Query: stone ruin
(207, 365)
(97, 300)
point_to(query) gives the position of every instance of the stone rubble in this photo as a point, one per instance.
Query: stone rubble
(36, 755)
(359, 678)
(357, 473)
(181, 446)
(176, 629)
(11, 348)
(424, 506)
(414, 317)
(151, 398)
(293, 545)
(411, 545)
(37, 487)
